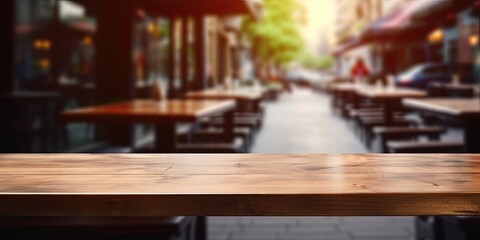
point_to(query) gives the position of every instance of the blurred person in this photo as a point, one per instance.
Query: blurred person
(359, 71)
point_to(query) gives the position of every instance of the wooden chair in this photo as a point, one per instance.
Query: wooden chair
(366, 125)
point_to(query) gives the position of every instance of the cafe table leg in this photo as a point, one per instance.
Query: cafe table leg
(472, 136)
(229, 125)
(165, 138)
(256, 105)
(388, 110)
(201, 228)
(354, 99)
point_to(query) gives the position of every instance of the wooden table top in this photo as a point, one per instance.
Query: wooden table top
(460, 107)
(151, 111)
(249, 94)
(382, 92)
(456, 86)
(236, 184)
(344, 87)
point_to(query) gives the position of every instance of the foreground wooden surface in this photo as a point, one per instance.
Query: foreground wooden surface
(253, 184)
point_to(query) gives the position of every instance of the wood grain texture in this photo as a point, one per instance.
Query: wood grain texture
(150, 111)
(380, 93)
(239, 94)
(458, 107)
(236, 184)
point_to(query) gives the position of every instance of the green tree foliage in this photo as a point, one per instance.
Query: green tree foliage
(310, 61)
(276, 38)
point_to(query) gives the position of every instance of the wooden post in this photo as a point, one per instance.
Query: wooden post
(171, 58)
(114, 69)
(7, 21)
(114, 61)
(221, 59)
(184, 55)
(56, 39)
(200, 53)
(201, 228)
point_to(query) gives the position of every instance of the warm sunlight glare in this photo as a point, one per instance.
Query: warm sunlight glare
(318, 30)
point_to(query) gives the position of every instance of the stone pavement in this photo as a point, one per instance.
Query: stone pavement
(302, 122)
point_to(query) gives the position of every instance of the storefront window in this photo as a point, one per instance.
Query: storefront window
(54, 44)
(32, 53)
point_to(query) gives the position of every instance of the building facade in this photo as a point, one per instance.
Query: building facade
(405, 33)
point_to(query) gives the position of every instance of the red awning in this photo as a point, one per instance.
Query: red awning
(394, 25)
(403, 18)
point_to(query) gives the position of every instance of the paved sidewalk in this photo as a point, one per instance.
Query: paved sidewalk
(302, 122)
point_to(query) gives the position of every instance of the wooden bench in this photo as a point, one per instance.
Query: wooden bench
(168, 228)
(215, 135)
(349, 107)
(368, 123)
(259, 116)
(395, 133)
(236, 146)
(359, 116)
(356, 112)
(252, 123)
(425, 147)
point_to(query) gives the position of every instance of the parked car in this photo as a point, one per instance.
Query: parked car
(422, 75)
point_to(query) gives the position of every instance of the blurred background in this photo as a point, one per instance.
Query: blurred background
(306, 57)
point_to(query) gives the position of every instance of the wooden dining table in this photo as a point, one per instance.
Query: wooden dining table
(464, 110)
(164, 114)
(240, 95)
(390, 97)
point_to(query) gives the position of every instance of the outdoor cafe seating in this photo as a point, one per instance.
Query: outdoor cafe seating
(406, 131)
